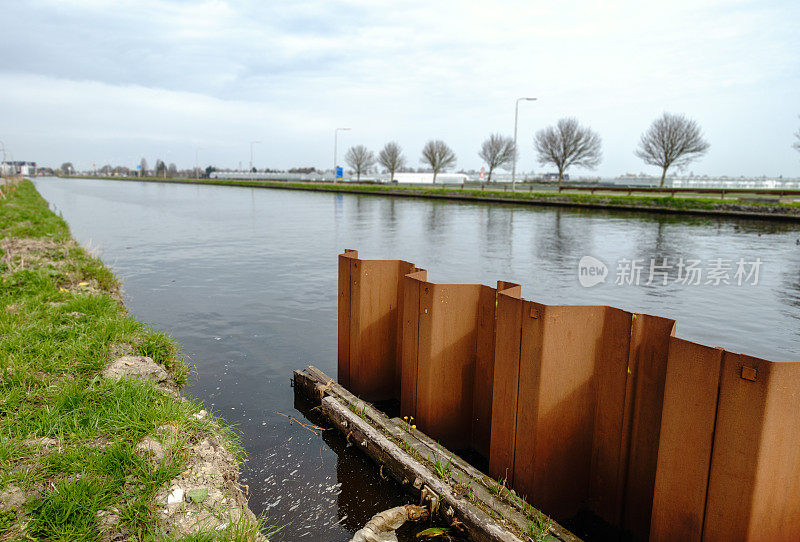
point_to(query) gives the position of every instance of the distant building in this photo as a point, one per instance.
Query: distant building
(427, 178)
(554, 177)
(17, 168)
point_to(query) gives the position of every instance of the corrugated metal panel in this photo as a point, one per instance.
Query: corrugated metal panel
(686, 441)
(581, 406)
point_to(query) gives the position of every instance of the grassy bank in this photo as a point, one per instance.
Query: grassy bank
(85, 455)
(689, 205)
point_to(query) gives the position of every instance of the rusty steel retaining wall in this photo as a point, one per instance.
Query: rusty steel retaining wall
(581, 407)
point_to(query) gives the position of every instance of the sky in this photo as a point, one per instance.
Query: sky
(93, 81)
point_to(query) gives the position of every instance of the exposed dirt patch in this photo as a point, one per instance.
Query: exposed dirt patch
(31, 252)
(206, 496)
(12, 498)
(43, 442)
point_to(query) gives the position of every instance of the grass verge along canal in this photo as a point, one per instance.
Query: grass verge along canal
(96, 443)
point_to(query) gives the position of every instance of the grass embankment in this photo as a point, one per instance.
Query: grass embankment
(675, 204)
(72, 466)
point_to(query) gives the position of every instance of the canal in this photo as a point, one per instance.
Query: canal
(246, 280)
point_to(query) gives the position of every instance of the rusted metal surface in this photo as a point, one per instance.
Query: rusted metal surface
(582, 406)
(368, 302)
(754, 486)
(686, 441)
(345, 263)
(575, 406)
(650, 337)
(413, 285)
(508, 334)
(452, 321)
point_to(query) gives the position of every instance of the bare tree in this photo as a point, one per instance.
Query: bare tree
(568, 144)
(360, 159)
(438, 155)
(67, 168)
(672, 140)
(172, 170)
(391, 157)
(142, 167)
(497, 151)
(161, 168)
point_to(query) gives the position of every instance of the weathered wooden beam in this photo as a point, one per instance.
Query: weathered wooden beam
(479, 525)
(489, 511)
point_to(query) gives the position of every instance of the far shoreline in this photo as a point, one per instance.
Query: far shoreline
(650, 204)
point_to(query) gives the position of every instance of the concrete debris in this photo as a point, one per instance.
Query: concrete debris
(135, 367)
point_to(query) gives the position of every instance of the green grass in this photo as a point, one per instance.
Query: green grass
(61, 322)
(440, 468)
(646, 202)
(538, 527)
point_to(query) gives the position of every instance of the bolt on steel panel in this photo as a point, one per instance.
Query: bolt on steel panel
(686, 441)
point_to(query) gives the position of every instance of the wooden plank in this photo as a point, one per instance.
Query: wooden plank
(510, 510)
(479, 525)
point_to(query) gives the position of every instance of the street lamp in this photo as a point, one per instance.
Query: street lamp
(251, 154)
(516, 118)
(335, 144)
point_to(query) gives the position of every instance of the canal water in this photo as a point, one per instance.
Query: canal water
(246, 280)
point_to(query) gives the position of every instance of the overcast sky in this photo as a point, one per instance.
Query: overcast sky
(109, 82)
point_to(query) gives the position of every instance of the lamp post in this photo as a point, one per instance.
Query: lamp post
(516, 119)
(251, 154)
(335, 148)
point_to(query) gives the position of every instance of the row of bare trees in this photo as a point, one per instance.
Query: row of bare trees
(671, 140)
(436, 154)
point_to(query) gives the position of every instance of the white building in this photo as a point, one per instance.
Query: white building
(427, 178)
(17, 168)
